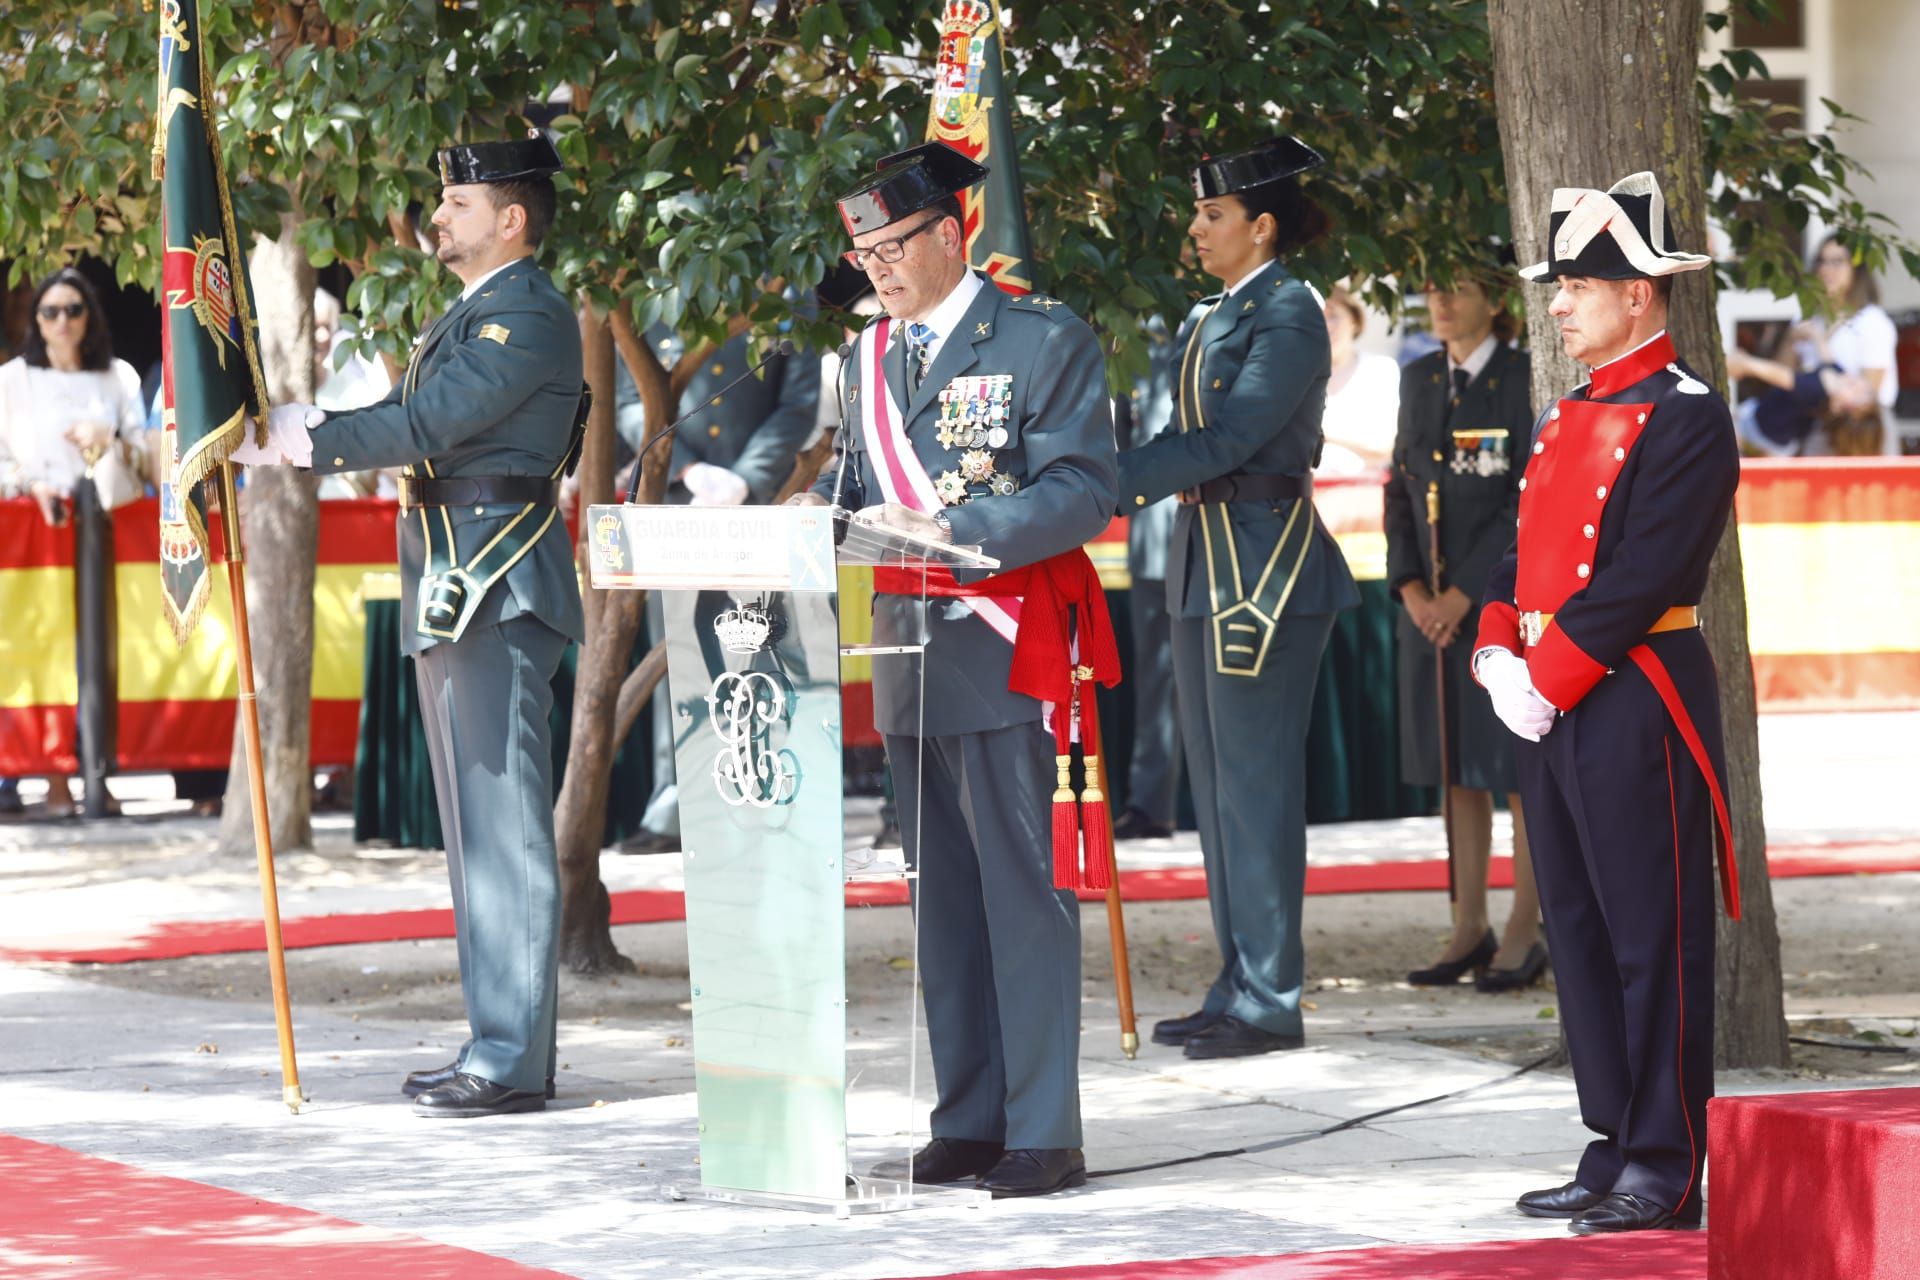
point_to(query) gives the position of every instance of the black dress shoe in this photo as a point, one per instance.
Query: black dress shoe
(1559, 1202)
(1624, 1211)
(1177, 1031)
(418, 1082)
(1232, 1038)
(1494, 981)
(1035, 1171)
(1136, 824)
(944, 1160)
(644, 841)
(1448, 972)
(466, 1096)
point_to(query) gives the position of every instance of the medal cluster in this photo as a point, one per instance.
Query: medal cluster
(974, 412)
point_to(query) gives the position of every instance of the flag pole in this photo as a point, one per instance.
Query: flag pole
(257, 786)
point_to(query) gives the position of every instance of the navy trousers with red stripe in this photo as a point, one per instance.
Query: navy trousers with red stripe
(1620, 820)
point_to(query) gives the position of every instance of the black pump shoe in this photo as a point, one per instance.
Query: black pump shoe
(1529, 972)
(1448, 972)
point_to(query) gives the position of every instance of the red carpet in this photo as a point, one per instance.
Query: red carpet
(1815, 1186)
(1658, 1255)
(71, 1216)
(176, 939)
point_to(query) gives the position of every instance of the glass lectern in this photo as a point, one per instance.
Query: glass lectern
(750, 599)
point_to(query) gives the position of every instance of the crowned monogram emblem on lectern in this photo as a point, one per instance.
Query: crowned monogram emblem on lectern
(744, 706)
(745, 629)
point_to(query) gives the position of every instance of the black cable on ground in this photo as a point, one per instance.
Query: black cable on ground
(1855, 1045)
(1295, 1139)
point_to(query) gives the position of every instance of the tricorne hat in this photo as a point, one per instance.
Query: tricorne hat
(1277, 158)
(531, 157)
(1618, 234)
(906, 182)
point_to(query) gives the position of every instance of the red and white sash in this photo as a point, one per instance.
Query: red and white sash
(903, 479)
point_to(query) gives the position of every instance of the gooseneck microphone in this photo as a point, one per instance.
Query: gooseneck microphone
(784, 347)
(848, 442)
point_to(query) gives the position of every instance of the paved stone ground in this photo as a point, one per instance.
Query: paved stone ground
(172, 1067)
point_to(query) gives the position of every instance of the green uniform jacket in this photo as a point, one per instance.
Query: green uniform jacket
(1251, 384)
(491, 391)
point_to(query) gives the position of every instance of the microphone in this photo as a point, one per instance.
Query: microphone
(847, 443)
(784, 347)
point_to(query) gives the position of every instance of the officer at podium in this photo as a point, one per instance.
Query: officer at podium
(991, 426)
(484, 422)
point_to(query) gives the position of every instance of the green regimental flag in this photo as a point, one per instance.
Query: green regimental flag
(210, 367)
(971, 114)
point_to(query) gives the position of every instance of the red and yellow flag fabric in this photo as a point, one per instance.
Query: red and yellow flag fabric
(210, 369)
(971, 114)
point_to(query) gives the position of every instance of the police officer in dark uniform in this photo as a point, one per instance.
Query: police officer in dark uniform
(991, 427)
(1590, 649)
(737, 446)
(1253, 582)
(1465, 422)
(485, 421)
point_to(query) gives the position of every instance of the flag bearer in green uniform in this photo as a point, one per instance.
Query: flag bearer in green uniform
(484, 423)
(1253, 581)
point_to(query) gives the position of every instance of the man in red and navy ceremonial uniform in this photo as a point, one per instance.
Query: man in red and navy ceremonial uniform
(1590, 648)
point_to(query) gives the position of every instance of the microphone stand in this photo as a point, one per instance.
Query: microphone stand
(847, 445)
(784, 347)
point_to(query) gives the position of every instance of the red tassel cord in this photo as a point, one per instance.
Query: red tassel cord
(1096, 817)
(1066, 814)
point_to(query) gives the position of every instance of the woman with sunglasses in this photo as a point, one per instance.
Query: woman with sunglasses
(1253, 581)
(65, 404)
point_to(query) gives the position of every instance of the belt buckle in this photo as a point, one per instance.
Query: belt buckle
(1531, 628)
(405, 485)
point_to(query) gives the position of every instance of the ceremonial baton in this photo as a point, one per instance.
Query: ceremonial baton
(1116, 918)
(1440, 684)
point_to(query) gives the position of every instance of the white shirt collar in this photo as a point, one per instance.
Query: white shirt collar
(473, 288)
(1624, 354)
(952, 310)
(1477, 361)
(1244, 280)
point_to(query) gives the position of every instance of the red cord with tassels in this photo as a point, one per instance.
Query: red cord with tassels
(1062, 606)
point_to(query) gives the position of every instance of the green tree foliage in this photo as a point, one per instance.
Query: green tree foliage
(706, 140)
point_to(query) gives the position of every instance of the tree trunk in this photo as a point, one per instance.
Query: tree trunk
(1590, 91)
(280, 523)
(580, 810)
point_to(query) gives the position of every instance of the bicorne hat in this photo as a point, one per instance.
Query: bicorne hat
(1621, 233)
(1281, 157)
(531, 157)
(906, 182)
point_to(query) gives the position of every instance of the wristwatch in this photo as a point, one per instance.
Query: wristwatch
(946, 525)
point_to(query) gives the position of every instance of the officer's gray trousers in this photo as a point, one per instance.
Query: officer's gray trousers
(485, 700)
(1246, 752)
(999, 946)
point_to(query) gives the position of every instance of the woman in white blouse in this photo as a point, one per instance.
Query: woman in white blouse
(1853, 344)
(65, 403)
(1363, 397)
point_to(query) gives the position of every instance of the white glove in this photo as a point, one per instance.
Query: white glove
(288, 425)
(713, 486)
(1515, 700)
(288, 443)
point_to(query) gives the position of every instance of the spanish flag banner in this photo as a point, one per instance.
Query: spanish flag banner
(210, 366)
(971, 114)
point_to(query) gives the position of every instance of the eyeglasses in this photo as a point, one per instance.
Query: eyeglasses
(1835, 260)
(52, 311)
(888, 250)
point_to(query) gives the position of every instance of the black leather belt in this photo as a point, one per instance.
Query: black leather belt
(1246, 488)
(474, 491)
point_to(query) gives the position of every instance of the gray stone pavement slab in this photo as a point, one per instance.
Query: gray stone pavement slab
(172, 1067)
